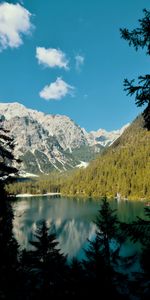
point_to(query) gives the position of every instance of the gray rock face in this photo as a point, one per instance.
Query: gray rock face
(105, 138)
(49, 142)
(43, 142)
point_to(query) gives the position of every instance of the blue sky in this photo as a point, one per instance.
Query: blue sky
(67, 57)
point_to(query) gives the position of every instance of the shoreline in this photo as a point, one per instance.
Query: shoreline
(27, 195)
(35, 195)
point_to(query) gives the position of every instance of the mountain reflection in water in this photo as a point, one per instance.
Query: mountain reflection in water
(72, 219)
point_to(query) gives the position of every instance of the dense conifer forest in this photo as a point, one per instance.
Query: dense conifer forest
(124, 169)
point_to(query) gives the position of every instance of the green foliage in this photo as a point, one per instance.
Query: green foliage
(8, 244)
(6, 155)
(123, 168)
(139, 231)
(140, 38)
(102, 260)
(86, 153)
(46, 263)
(45, 245)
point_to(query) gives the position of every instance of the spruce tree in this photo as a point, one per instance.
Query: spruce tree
(8, 245)
(102, 258)
(140, 38)
(47, 263)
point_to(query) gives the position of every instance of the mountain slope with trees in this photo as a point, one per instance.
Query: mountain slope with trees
(123, 169)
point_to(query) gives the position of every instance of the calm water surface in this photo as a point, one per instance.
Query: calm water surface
(71, 218)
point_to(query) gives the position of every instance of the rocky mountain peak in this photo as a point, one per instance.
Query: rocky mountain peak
(46, 142)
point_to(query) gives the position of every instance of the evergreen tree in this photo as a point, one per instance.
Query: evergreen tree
(47, 263)
(8, 245)
(145, 258)
(77, 287)
(6, 155)
(102, 258)
(140, 38)
(139, 231)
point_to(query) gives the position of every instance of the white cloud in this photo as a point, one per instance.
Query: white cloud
(79, 61)
(56, 90)
(52, 57)
(14, 22)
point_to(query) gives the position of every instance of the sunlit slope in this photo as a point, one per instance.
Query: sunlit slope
(124, 168)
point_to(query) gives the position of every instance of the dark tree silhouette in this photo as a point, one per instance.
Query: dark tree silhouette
(77, 287)
(140, 38)
(8, 245)
(139, 231)
(7, 158)
(47, 264)
(102, 258)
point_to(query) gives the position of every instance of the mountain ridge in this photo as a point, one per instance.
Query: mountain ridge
(47, 142)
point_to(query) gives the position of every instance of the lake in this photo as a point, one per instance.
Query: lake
(72, 219)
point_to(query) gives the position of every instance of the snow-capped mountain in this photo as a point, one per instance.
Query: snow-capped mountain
(69, 134)
(105, 138)
(48, 142)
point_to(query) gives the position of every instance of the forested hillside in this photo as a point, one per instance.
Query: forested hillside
(124, 168)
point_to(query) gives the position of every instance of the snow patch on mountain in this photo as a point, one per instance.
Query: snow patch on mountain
(105, 138)
(82, 164)
(47, 142)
